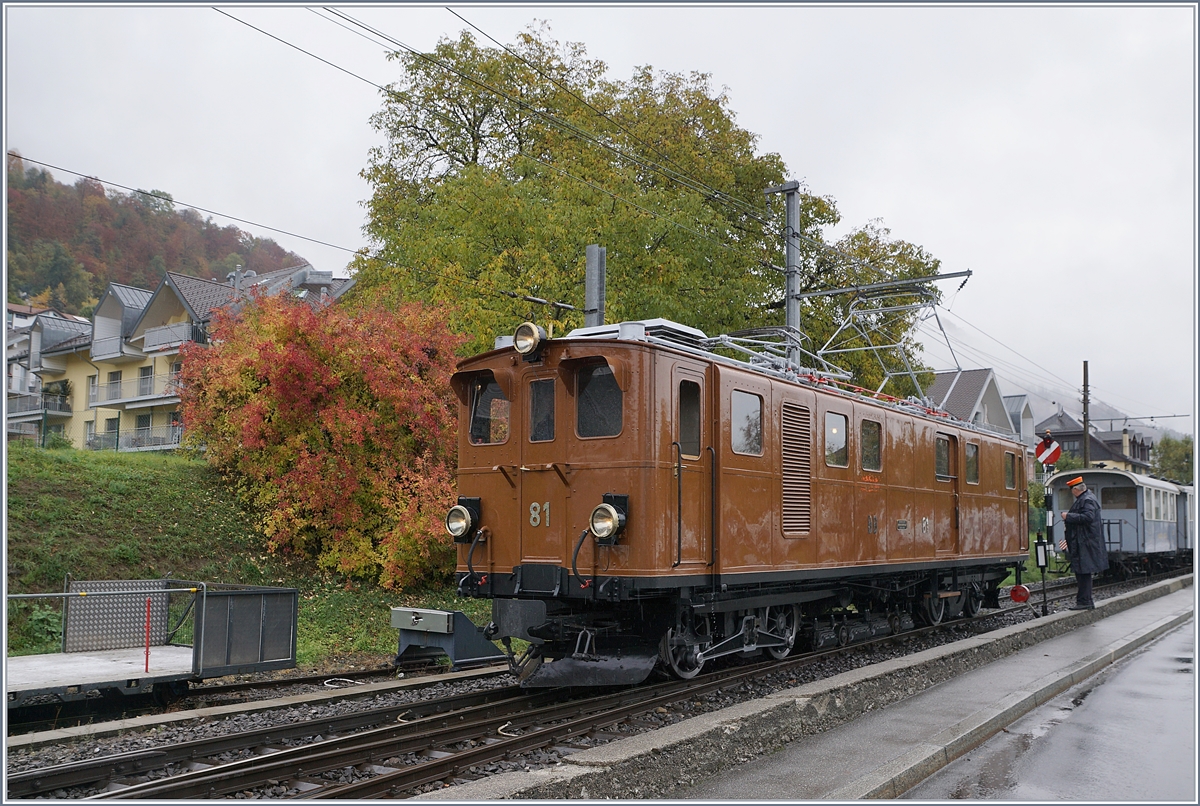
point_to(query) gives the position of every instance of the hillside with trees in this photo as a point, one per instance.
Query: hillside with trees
(66, 243)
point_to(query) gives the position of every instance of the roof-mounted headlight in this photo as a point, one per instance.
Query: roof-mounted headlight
(462, 519)
(528, 338)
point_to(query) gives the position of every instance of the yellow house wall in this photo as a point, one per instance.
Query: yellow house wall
(80, 369)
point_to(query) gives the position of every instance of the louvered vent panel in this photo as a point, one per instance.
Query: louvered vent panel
(797, 469)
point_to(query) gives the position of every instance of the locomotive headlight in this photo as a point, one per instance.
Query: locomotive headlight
(458, 521)
(462, 519)
(607, 521)
(528, 337)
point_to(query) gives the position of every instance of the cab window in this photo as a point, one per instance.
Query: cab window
(1010, 471)
(489, 411)
(541, 411)
(598, 402)
(872, 445)
(837, 454)
(689, 418)
(972, 463)
(745, 423)
(941, 458)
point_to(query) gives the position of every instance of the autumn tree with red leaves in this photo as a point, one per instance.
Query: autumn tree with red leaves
(338, 428)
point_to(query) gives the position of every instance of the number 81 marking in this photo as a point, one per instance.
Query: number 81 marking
(537, 512)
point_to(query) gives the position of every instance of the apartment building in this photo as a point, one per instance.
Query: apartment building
(113, 383)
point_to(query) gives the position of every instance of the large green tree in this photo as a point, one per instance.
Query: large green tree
(1172, 458)
(500, 164)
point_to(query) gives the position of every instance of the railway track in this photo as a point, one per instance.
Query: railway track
(390, 752)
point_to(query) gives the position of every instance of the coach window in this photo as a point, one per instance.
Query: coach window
(689, 418)
(541, 411)
(972, 467)
(745, 423)
(837, 454)
(489, 411)
(1010, 471)
(1157, 505)
(872, 445)
(598, 402)
(942, 458)
(1118, 498)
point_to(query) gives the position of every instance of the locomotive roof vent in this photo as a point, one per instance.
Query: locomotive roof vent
(640, 330)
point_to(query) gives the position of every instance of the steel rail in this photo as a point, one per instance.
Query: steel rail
(33, 782)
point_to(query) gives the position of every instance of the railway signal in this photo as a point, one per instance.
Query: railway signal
(1048, 451)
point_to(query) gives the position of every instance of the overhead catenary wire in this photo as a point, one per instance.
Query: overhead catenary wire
(436, 113)
(594, 139)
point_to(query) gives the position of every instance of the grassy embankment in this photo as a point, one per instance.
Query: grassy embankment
(102, 515)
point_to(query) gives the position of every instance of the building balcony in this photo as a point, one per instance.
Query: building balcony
(115, 349)
(34, 407)
(168, 336)
(158, 438)
(134, 393)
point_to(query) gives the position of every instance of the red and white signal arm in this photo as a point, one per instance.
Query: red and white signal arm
(1048, 451)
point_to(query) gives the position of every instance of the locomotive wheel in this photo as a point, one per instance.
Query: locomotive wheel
(973, 602)
(783, 621)
(933, 610)
(680, 658)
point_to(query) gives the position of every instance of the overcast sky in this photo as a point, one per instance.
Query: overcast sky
(1050, 150)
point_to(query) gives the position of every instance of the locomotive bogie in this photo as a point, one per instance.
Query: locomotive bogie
(638, 498)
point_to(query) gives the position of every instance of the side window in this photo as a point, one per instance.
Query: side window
(872, 445)
(745, 423)
(972, 464)
(942, 458)
(837, 454)
(1010, 471)
(598, 402)
(1118, 498)
(1158, 505)
(689, 418)
(541, 411)
(489, 411)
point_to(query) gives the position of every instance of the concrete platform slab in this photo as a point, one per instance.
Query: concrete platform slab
(88, 669)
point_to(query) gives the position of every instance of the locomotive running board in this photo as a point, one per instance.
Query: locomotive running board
(626, 669)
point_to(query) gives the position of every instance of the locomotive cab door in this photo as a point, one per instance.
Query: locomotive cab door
(948, 497)
(692, 474)
(543, 488)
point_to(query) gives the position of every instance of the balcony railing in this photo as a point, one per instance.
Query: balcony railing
(134, 389)
(171, 335)
(158, 438)
(53, 404)
(112, 347)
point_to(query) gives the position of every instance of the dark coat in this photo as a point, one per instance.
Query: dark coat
(1085, 536)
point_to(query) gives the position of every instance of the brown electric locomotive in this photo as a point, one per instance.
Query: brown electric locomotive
(631, 498)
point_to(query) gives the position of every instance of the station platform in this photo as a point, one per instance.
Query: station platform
(873, 732)
(67, 674)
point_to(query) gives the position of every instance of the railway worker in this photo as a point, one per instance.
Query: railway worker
(1084, 541)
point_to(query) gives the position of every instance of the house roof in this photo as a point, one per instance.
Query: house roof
(200, 297)
(63, 334)
(133, 301)
(959, 391)
(1061, 422)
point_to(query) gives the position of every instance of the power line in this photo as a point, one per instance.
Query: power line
(438, 114)
(591, 138)
(461, 281)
